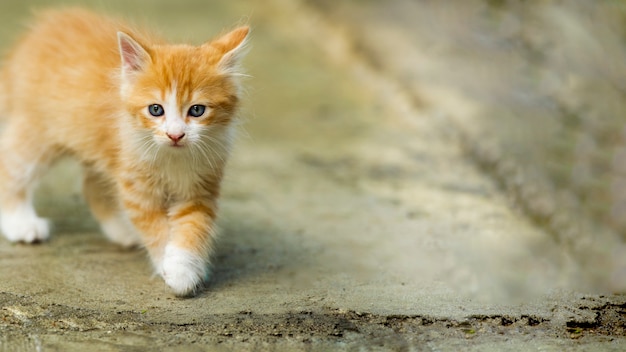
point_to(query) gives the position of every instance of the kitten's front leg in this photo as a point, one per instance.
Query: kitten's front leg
(186, 259)
(149, 216)
(178, 239)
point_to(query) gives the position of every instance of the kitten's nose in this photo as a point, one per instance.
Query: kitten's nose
(176, 137)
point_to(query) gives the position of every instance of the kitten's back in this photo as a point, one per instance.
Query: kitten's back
(61, 79)
(64, 49)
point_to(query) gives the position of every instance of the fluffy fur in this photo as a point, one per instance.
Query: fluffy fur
(127, 105)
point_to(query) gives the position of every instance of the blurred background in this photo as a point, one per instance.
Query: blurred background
(532, 90)
(535, 91)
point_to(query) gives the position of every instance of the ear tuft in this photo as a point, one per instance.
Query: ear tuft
(134, 56)
(232, 47)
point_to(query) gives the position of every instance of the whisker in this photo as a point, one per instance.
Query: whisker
(216, 147)
(147, 147)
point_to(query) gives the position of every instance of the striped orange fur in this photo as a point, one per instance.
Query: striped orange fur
(151, 122)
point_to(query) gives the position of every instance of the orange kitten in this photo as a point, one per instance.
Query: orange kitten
(151, 123)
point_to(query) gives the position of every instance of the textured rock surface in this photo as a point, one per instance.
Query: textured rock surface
(351, 217)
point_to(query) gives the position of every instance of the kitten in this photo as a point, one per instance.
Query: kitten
(151, 122)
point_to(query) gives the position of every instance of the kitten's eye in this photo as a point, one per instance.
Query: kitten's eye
(197, 110)
(156, 110)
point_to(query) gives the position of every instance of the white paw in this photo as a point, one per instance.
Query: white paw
(120, 230)
(24, 226)
(183, 271)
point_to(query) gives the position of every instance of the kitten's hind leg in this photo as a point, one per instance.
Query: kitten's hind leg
(101, 195)
(21, 165)
(21, 224)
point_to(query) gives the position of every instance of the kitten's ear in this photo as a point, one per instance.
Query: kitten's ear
(134, 55)
(232, 47)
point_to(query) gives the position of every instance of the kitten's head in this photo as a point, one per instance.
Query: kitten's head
(178, 94)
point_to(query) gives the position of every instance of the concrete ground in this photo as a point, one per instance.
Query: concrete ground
(351, 219)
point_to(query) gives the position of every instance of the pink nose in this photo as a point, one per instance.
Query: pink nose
(176, 137)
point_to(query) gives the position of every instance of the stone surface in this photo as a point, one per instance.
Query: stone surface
(351, 217)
